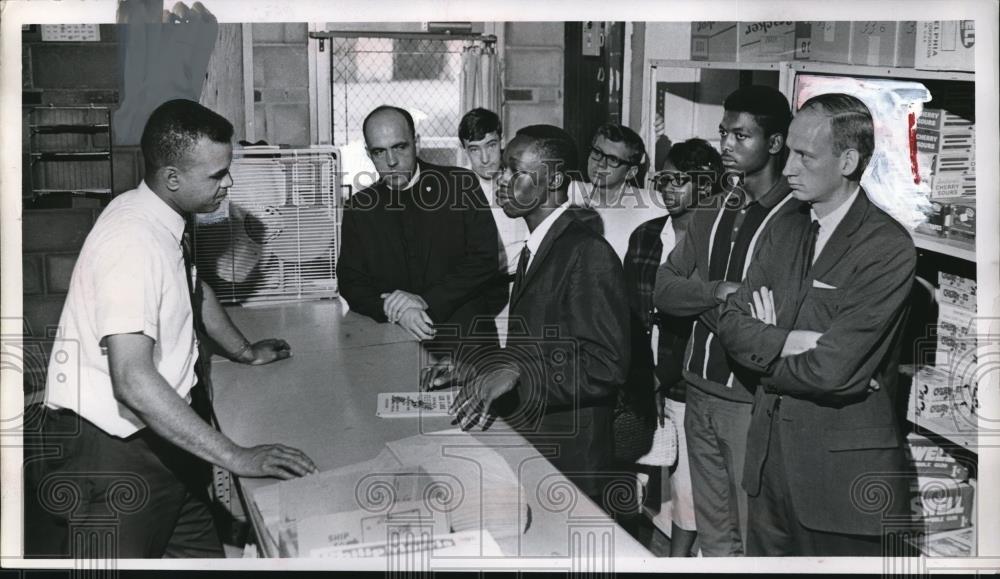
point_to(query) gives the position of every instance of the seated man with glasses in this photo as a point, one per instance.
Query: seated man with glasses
(616, 168)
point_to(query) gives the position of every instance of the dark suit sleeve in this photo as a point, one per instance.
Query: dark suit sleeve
(481, 262)
(353, 277)
(597, 320)
(750, 342)
(680, 288)
(848, 354)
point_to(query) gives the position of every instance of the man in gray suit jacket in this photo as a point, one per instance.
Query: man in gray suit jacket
(567, 352)
(820, 315)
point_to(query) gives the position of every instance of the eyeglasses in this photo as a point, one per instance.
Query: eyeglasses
(672, 179)
(612, 161)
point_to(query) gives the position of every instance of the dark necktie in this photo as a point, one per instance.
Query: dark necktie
(522, 268)
(811, 246)
(201, 394)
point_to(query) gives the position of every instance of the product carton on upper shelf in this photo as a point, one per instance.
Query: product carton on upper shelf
(831, 41)
(946, 45)
(714, 41)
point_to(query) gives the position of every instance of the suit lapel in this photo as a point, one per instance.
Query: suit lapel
(841, 239)
(838, 244)
(553, 234)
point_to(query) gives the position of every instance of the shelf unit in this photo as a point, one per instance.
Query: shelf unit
(70, 152)
(945, 246)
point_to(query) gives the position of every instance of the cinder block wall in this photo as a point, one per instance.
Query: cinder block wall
(52, 239)
(281, 83)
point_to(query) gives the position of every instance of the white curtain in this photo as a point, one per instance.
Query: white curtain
(480, 78)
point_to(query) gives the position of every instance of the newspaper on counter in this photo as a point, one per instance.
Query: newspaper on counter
(414, 404)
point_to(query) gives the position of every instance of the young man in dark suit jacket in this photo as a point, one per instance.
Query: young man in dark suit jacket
(820, 314)
(419, 247)
(571, 357)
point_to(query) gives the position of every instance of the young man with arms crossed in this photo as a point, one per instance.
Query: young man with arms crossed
(705, 267)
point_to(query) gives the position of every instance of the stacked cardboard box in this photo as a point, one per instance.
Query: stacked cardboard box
(941, 503)
(865, 42)
(930, 460)
(946, 45)
(946, 395)
(942, 494)
(956, 347)
(759, 41)
(946, 152)
(883, 43)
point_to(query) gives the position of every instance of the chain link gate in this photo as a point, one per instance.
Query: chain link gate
(421, 75)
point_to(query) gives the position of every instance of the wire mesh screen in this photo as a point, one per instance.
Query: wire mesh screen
(424, 76)
(276, 236)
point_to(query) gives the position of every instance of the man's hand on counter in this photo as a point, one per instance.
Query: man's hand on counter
(442, 373)
(267, 351)
(271, 460)
(397, 302)
(472, 403)
(417, 322)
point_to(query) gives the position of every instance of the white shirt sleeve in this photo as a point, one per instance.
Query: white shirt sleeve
(128, 285)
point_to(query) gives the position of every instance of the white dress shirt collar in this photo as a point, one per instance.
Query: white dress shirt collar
(414, 179)
(829, 222)
(160, 211)
(538, 235)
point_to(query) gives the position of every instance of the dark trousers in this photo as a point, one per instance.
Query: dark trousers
(92, 495)
(716, 434)
(774, 527)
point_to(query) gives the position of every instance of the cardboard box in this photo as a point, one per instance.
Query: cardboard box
(953, 184)
(906, 43)
(956, 353)
(941, 503)
(958, 296)
(831, 41)
(946, 45)
(937, 379)
(934, 225)
(803, 41)
(713, 41)
(941, 119)
(873, 42)
(954, 543)
(956, 320)
(962, 218)
(955, 289)
(929, 459)
(958, 282)
(766, 41)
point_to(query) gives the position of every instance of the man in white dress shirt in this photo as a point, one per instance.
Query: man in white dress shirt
(132, 449)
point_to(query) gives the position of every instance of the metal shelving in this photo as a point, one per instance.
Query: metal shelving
(70, 151)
